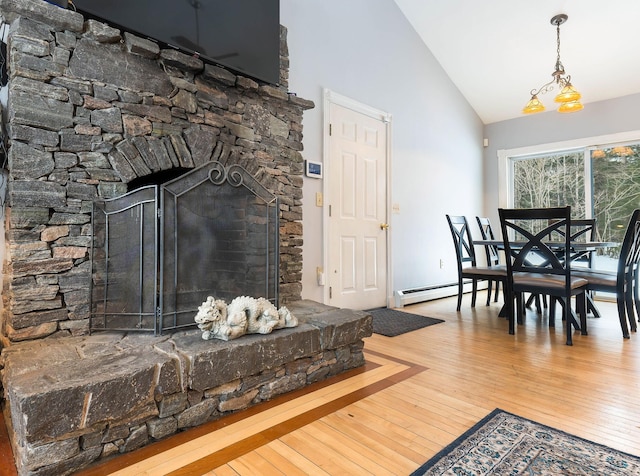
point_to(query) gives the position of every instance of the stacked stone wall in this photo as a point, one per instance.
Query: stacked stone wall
(91, 109)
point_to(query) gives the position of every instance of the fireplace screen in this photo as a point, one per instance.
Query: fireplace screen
(159, 251)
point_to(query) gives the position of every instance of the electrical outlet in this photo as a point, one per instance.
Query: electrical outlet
(441, 263)
(319, 199)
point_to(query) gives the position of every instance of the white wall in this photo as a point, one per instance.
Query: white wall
(366, 50)
(597, 119)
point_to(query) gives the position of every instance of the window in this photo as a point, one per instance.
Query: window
(615, 177)
(552, 180)
(597, 181)
(560, 179)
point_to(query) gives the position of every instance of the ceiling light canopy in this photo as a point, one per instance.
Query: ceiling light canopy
(568, 97)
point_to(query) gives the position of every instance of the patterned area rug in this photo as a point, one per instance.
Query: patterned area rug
(391, 323)
(506, 444)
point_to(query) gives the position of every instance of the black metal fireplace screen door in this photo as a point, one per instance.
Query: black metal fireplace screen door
(160, 250)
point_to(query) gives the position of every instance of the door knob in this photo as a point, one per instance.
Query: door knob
(384, 226)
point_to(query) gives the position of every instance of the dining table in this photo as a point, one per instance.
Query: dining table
(578, 249)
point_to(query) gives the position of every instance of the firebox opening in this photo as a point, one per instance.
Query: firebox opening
(156, 178)
(160, 250)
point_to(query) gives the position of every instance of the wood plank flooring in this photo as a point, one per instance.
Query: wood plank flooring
(417, 393)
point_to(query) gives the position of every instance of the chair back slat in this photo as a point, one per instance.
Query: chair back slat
(485, 228)
(493, 257)
(630, 250)
(583, 229)
(542, 237)
(635, 255)
(462, 240)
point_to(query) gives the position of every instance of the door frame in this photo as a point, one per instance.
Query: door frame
(331, 97)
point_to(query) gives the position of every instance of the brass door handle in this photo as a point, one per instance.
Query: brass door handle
(384, 226)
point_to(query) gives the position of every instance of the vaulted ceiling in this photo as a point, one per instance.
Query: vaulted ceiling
(497, 51)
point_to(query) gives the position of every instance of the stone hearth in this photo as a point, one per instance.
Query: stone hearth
(84, 398)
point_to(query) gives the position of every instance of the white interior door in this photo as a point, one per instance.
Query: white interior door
(358, 219)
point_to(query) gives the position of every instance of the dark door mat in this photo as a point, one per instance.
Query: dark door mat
(391, 323)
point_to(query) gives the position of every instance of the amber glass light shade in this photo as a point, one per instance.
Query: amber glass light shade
(567, 94)
(534, 105)
(571, 106)
(623, 151)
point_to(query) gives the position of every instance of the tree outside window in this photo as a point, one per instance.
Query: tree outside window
(607, 187)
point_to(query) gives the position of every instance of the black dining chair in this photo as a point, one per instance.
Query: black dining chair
(635, 276)
(492, 255)
(635, 282)
(621, 281)
(582, 230)
(466, 258)
(537, 265)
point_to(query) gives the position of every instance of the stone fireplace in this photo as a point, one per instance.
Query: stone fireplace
(90, 112)
(93, 113)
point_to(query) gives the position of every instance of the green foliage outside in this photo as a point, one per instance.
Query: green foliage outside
(559, 180)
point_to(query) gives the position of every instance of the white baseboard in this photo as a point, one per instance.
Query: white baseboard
(429, 293)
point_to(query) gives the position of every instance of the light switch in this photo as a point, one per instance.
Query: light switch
(319, 200)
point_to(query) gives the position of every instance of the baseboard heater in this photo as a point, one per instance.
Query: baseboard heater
(429, 293)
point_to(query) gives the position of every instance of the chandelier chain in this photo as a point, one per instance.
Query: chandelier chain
(559, 66)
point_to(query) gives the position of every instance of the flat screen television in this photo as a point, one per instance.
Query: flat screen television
(241, 35)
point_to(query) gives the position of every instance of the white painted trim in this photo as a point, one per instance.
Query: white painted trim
(326, 125)
(344, 101)
(331, 97)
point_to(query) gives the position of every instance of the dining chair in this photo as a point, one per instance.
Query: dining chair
(582, 230)
(492, 255)
(537, 240)
(635, 282)
(466, 260)
(635, 276)
(621, 281)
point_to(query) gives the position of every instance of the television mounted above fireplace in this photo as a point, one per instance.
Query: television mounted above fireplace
(241, 35)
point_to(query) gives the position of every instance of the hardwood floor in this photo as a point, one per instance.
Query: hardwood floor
(417, 393)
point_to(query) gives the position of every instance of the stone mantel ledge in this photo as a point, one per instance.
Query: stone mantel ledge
(64, 392)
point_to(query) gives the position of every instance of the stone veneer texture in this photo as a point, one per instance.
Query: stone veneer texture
(78, 400)
(92, 108)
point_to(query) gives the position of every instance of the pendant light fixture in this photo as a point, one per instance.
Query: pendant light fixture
(568, 97)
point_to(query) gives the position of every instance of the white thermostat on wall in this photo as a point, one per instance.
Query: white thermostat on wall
(313, 169)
